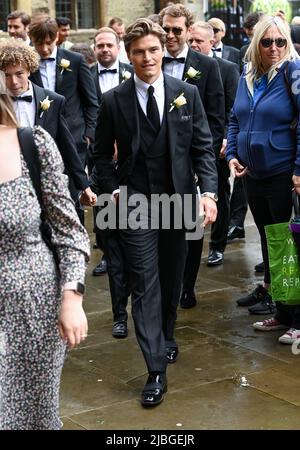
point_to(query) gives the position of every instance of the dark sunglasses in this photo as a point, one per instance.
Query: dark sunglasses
(279, 42)
(216, 30)
(175, 30)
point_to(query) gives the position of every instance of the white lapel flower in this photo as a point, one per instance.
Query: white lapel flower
(178, 102)
(126, 75)
(45, 105)
(64, 64)
(192, 74)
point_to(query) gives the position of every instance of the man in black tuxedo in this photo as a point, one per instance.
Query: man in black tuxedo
(221, 50)
(109, 71)
(163, 138)
(179, 59)
(38, 106)
(201, 40)
(66, 73)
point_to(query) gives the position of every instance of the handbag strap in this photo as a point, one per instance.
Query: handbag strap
(296, 205)
(288, 86)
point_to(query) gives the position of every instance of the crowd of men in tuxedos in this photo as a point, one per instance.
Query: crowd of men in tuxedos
(155, 126)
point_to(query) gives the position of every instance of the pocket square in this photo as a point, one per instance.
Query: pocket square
(185, 118)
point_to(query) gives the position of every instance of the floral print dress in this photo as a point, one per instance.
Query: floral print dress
(31, 350)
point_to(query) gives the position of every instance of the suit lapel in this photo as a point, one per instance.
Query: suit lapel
(127, 102)
(97, 84)
(39, 96)
(188, 64)
(59, 75)
(173, 122)
(225, 53)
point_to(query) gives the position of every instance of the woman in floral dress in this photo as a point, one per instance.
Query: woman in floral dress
(40, 315)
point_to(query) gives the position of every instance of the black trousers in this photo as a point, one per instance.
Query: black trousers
(238, 204)
(118, 274)
(155, 259)
(270, 201)
(219, 229)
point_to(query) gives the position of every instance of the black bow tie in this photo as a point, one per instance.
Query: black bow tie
(25, 98)
(216, 49)
(48, 59)
(107, 71)
(167, 59)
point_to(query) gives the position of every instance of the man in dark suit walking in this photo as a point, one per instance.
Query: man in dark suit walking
(38, 106)
(201, 40)
(162, 136)
(66, 73)
(221, 50)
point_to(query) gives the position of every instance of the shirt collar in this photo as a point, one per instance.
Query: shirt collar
(182, 54)
(114, 66)
(142, 87)
(211, 54)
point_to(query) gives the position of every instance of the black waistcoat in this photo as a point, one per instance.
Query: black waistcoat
(152, 173)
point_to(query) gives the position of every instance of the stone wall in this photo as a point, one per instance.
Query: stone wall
(128, 10)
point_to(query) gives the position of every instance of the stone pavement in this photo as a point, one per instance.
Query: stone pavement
(227, 376)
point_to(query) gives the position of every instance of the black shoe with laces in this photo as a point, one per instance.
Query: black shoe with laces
(254, 297)
(265, 306)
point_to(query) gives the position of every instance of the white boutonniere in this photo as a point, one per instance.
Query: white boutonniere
(126, 75)
(192, 74)
(64, 65)
(178, 102)
(45, 105)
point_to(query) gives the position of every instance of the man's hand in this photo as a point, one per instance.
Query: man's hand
(223, 149)
(88, 197)
(236, 169)
(88, 141)
(209, 206)
(296, 181)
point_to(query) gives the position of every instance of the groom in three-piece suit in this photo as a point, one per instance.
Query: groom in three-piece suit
(160, 148)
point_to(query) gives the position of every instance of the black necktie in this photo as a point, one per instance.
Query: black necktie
(167, 59)
(25, 98)
(48, 59)
(152, 109)
(107, 71)
(216, 49)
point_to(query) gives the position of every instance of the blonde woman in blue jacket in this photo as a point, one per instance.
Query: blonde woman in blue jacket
(264, 148)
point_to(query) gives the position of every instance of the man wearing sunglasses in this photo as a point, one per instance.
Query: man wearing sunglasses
(223, 51)
(179, 58)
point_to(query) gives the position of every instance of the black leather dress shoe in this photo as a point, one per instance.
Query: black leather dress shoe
(215, 258)
(259, 268)
(154, 390)
(235, 233)
(119, 330)
(100, 269)
(188, 300)
(172, 353)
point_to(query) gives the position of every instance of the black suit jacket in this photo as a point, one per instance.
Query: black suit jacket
(94, 70)
(230, 77)
(54, 122)
(78, 88)
(231, 54)
(211, 92)
(188, 134)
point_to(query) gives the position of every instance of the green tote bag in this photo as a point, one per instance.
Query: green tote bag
(284, 264)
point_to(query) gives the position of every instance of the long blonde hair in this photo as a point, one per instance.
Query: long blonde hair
(253, 56)
(7, 113)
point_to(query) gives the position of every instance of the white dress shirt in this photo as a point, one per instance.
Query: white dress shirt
(48, 71)
(141, 89)
(219, 54)
(108, 80)
(25, 111)
(175, 68)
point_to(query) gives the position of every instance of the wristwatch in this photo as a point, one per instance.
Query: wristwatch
(211, 195)
(75, 286)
